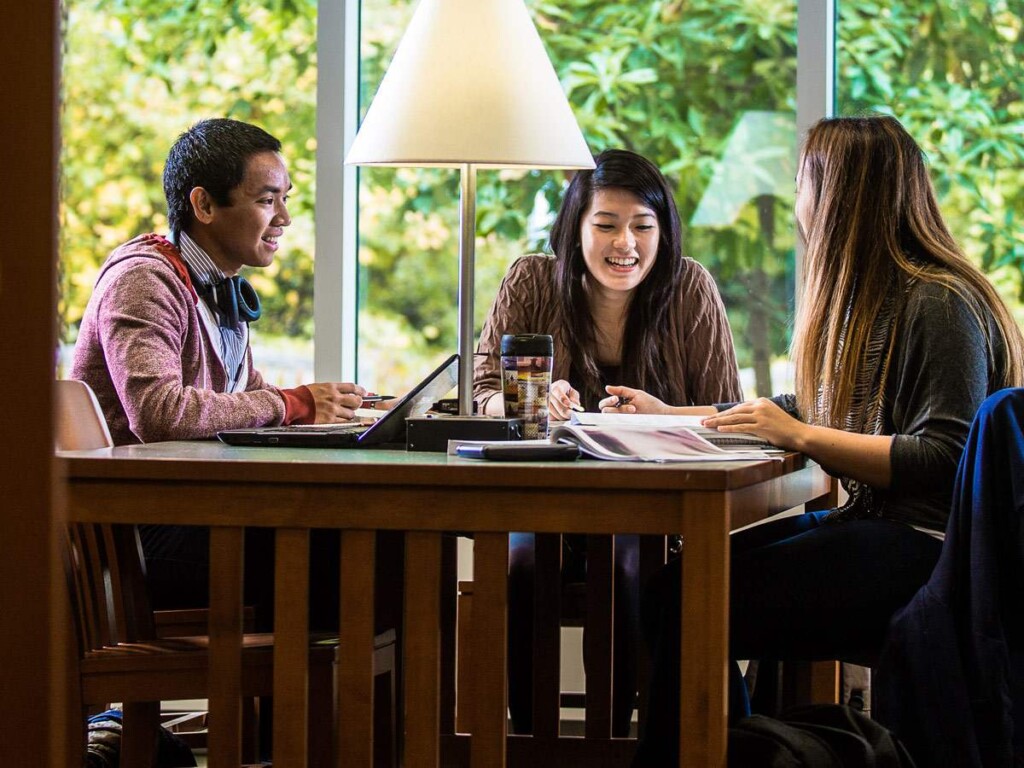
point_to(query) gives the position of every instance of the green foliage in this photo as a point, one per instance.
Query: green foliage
(952, 73)
(136, 74)
(667, 78)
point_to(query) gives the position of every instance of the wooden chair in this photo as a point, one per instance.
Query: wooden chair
(80, 422)
(121, 660)
(124, 655)
(571, 606)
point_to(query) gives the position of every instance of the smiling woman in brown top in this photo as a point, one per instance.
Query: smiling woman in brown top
(623, 304)
(624, 307)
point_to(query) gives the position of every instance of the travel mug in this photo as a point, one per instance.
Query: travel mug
(526, 379)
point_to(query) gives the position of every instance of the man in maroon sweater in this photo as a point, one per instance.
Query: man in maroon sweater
(164, 341)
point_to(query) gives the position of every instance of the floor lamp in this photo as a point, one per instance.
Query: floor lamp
(470, 87)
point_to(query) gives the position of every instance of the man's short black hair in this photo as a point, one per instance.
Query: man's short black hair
(212, 154)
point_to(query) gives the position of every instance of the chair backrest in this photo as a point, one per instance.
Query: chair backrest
(106, 579)
(106, 573)
(80, 422)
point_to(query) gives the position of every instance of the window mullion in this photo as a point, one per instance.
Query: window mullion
(815, 80)
(335, 278)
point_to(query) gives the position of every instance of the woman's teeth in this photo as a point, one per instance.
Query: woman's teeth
(623, 262)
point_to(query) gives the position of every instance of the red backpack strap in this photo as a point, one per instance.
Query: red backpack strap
(169, 251)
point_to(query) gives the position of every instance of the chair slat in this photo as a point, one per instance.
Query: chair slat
(139, 622)
(546, 634)
(449, 611)
(81, 602)
(597, 640)
(653, 554)
(114, 586)
(96, 578)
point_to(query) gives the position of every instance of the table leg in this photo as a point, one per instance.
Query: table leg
(225, 732)
(355, 653)
(489, 657)
(422, 651)
(291, 646)
(705, 631)
(825, 501)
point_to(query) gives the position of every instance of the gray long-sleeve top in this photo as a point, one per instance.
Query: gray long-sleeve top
(944, 365)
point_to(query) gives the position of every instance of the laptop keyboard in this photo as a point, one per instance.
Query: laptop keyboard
(330, 429)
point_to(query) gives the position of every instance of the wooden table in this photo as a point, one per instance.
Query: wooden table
(363, 491)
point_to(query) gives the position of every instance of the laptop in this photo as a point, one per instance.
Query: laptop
(389, 428)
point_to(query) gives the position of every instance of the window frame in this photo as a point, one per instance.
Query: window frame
(335, 336)
(336, 264)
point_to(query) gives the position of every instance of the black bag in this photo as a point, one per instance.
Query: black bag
(818, 736)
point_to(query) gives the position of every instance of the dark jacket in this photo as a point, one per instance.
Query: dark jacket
(950, 682)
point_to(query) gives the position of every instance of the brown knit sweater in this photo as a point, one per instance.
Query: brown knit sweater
(698, 352)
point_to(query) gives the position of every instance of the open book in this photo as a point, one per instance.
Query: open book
(638, 442)
(730, 440)
(629, 437)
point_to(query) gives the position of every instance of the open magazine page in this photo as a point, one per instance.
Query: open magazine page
(635, 443)
(634, 420)
(722, 439)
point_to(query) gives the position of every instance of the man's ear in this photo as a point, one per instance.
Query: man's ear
(202, 205)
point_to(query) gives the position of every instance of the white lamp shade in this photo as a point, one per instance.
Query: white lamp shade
(470, 83)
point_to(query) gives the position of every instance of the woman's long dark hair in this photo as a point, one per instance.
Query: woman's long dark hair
(648, 317)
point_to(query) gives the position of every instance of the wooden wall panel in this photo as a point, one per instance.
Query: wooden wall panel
(33, 681)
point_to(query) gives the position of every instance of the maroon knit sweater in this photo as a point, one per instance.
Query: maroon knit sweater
(144, 350)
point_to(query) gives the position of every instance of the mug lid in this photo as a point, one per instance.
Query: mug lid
(521, 344)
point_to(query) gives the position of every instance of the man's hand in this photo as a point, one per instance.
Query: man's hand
(335, 402)
(561, 398)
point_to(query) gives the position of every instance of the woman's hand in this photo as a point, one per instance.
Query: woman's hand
(561, 398)
(863, 457)
(628, 400)
(763, 418)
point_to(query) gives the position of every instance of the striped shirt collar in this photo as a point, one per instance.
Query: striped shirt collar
(199, 262)
(233, 340)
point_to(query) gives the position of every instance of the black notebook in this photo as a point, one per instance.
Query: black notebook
(388, 429)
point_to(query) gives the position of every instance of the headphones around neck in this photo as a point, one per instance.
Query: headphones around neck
(234, 300)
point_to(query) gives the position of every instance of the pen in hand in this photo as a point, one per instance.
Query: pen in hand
(371, 400)
(576, 407)
(622, 400)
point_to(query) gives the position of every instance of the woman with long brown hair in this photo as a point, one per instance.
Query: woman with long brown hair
(621, 300)
(898, 340)
(623, 305)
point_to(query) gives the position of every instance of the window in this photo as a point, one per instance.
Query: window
(705, 89)
(952, 73)
(136, 73)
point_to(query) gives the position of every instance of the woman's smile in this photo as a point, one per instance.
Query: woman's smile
(619, 236)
